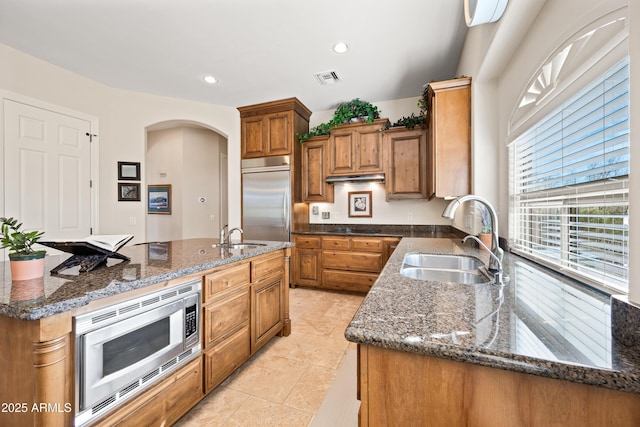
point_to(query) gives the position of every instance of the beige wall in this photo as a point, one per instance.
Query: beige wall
(123, 118)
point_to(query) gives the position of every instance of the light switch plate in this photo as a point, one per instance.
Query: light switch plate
(315, 210)
(325, 215)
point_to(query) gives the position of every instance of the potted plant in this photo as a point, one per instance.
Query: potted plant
(485, 233)
(26, 262)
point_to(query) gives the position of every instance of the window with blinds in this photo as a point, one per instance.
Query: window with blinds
(570, 184)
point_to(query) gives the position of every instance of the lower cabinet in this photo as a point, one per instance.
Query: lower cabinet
(342, 263)
(163, 404)
(266, 300)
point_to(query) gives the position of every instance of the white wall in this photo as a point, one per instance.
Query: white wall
(123, 117)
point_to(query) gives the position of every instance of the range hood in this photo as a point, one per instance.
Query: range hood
(371, 177)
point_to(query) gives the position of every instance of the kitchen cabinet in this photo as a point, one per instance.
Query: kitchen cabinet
(268, 289)
(269, 129)
(449, 142)
(314, 171)
(346, 263)
(307, 267)
(356, 148)
(451, 393)
(405, 153)
(226, 313)
(389, 245)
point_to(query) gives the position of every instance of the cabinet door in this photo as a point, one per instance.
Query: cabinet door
(406, 153)
(306, 267)
(369, 149)
(226, 357)
(450, 138)
(342, 152)
(279, 133)
(225, 316)
(253, 137)
(355, 261)
(268, 311)
(314, 171)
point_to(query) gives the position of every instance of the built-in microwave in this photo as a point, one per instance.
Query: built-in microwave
(124, 348)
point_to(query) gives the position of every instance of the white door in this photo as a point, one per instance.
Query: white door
(47, 169)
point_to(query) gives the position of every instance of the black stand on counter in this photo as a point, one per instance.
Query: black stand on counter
(87, 255)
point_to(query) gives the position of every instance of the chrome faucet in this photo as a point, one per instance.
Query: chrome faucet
(497, 273)
(222, 233)
(495, 262)
(228, 239)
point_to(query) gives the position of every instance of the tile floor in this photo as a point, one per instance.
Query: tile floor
(285, 382)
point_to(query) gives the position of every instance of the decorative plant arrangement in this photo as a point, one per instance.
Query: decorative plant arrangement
(26, 262)
(486, 221)
(346, 112)
(411, 121)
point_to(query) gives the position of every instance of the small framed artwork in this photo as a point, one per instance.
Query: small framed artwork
(128, 192)
(128, 171)
(360, 204)
(159, 199)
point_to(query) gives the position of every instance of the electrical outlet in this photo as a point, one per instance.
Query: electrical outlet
(410, 216)
(325, 215)
(468, 218)
(132, 220)
(212, 217)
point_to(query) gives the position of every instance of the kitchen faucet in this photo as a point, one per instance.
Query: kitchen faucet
(228, 240)
(225, 238)
(497, 273)
(495, 262)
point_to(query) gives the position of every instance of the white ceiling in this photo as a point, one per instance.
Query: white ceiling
(260, 50)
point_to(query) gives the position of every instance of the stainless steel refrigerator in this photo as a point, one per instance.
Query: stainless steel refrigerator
(266, 198)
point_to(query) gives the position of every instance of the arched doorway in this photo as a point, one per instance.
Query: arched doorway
(191, 158)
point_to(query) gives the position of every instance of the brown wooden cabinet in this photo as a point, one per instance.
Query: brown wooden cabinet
(449, 122)
(338, 262)
(314, 171)
(307, 266)
(268, 293)
(226, 313)
(269, 129)
(405, 153)
(356, 148)
(416, 390)
(389, 245)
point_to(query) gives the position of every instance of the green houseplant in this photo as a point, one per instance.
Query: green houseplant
(26, 262)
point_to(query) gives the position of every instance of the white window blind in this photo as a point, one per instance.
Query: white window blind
(570, 184)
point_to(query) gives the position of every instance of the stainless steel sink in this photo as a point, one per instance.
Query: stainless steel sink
(448, 262)
(462, 269)
(238, 245)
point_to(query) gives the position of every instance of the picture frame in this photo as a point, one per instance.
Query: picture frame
(159, 199)
(360, 204)
(128, 171)
(128, 192)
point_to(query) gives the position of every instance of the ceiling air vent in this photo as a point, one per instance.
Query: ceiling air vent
(327, 77)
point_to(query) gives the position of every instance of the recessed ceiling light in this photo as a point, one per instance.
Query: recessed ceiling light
(210, 79)
(340, 47)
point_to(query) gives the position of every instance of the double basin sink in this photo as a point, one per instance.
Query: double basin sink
(461, 269)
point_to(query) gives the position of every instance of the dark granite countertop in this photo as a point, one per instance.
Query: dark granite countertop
(539, 323)
(380, 230)
(150, 263)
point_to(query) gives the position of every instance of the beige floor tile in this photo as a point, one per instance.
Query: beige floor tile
(259, 412)
(311, 389)
(214, 409)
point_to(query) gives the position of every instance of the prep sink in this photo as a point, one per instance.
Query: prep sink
(462, 269)
(237, 245)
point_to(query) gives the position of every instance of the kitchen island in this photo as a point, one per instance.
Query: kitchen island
(536, 352)
(37, 334)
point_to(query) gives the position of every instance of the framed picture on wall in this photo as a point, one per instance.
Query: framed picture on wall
(128, 192)
(128, 171)
(159, 199)
(360, 204)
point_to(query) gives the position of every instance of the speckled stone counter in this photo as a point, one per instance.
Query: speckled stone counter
(380, 230)
(539, 323)
(150, 263)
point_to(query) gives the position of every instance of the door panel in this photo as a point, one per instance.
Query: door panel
(48, 168)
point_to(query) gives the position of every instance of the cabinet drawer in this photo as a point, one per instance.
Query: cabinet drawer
(267, 265)
(308, 242)
(223, 359)
(366, 244)
(227, 277)
(348, 280)
(341, 243)
(354, 261)
(225, 316)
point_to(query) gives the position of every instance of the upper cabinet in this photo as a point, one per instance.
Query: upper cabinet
(405, 153)
(356, 148)
(314, 171)
(270, 129)
(449, 122)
